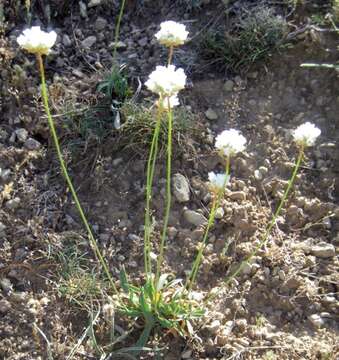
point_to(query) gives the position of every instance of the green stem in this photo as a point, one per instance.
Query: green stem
(170, 55)
(149, 183)
(117, 29)
(216, 201)
(65, 173)
(168, 192)
(264, 240)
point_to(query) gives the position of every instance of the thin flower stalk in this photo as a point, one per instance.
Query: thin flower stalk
(269, 228)
(168, 191)
(217, 196)
(117, 29)
(66, 175)
(149, 183)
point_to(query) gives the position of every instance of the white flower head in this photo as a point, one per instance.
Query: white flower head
(166, 80)
(171, 33)
(170, 101)
(218, 181)
(36, 41)
(306, 134)
(230, 142)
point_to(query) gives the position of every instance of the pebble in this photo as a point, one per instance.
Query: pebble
(89, 41)
(238, 195)
(214, 327)
(194, 218)
(100, 24)
(181, 188)
(66, 40)
(5, 306)
(13, 204)
(2, 227)
(117, 161)
(229, 85)
(323, 250)
(32, 144)
(93, 3)
(143, 41)
(21, 134)
(83, 9)
(6, 285)
(211, 114)
(316, 320)
(219, 213)
(4, 174)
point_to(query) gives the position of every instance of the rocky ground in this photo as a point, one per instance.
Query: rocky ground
(285, 303)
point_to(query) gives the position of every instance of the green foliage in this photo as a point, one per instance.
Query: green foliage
(164, 305)
(258, 33)
(78, 281)
(115, 85)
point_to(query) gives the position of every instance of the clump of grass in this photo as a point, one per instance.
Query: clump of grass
(258, 32)
(138, 122)
(78, 282)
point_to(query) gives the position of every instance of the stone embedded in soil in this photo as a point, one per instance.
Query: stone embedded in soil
(66, 40)
(13, 204)
(238, 195)
(94, 3)
(181, 188)
(195, 218)
(219, 213)
(229, 85)
(316, 320)
(213, 327)
(5, 306)
(2, 227)
(211, 114)
(32, 144)
(4, 174)
(21, 134)
(100, 24)
(89, 41)
(323, 250)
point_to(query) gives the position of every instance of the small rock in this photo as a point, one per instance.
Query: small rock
(32, 144)
(5, 306)
(21, 134)
(186, 354)
(214, 327)
(117, 161)
(66, 40)
(83, 9)
(238, 195)
(211, 114)
(258, 175)
(219, 213)
(88, 42)
(323, 250)
(194, 218)
(316, 320)
(93, 3)
(181, 188)
(13, 204)
(4, 174)
(6, 285)
(2, 227)
(100, 24)
(229, 85)
(143, 41)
